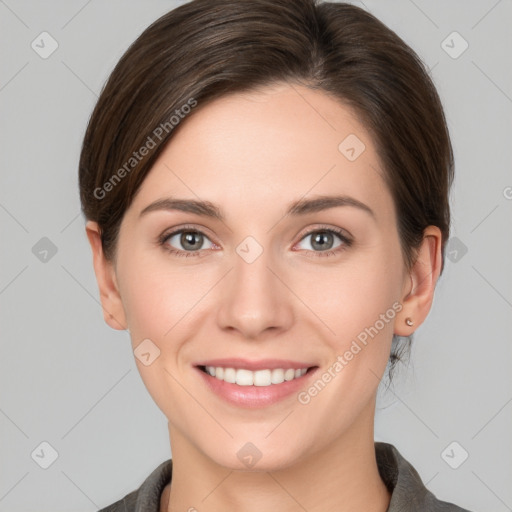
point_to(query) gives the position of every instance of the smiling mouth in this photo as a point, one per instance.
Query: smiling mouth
(261, 378)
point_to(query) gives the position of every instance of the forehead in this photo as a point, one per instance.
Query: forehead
(269, 146)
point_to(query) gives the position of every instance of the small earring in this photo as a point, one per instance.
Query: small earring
(409, 322)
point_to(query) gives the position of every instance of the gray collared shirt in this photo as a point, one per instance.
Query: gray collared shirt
(408, 494)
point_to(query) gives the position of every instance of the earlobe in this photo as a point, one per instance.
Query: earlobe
(113, 311)
(424, 274)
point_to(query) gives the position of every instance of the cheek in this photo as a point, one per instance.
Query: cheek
(159, 298)
(358, 294)
(358, 308)
(161, 304)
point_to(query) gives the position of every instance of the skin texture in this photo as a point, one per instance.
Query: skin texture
(252, 154)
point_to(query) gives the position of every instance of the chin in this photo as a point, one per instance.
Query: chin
(254, 458)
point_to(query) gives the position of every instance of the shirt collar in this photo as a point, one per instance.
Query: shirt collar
(408, 492)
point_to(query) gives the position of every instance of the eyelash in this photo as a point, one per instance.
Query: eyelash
(346, 242)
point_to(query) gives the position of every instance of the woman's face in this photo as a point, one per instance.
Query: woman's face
(293, 263)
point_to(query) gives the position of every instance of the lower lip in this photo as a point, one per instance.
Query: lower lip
(255, 396)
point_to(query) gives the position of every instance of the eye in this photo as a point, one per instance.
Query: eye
(329, 241)
(186, 241)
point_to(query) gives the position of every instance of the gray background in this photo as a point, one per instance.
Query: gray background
(68, 380)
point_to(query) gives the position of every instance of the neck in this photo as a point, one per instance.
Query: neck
(342, 477)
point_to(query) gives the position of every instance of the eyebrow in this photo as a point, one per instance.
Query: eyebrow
(300, 207)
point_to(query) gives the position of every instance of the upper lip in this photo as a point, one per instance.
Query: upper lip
(262, 364)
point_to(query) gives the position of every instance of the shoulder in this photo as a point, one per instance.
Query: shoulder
(408, 493)
(147, 497)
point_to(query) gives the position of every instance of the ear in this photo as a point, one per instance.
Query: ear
(424, 274)
(113, 311)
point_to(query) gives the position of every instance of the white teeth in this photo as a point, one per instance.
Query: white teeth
(262, 378)
(229, 375)
(289, 374)
(244, 377)
(277, 376)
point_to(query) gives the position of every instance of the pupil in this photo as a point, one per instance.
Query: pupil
(322, 240)
(191, 241)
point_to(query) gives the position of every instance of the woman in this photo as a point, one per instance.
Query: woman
(266, 192)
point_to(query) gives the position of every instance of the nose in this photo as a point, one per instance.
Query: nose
(254, 301)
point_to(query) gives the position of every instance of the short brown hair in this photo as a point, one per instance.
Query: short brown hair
(206, 49)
